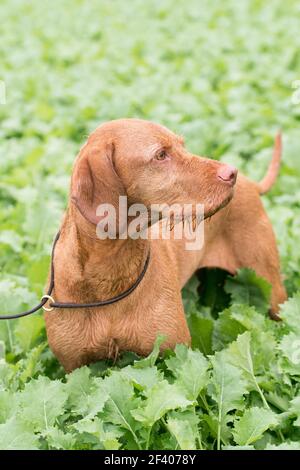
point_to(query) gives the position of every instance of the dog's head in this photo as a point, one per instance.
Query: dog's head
(149, 164)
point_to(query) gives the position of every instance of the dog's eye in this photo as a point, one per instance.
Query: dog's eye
(162, 155)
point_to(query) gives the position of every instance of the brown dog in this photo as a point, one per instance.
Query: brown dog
(149, 164)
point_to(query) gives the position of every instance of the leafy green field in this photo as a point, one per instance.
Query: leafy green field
(220, 73)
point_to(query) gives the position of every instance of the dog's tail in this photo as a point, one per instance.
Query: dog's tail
(267, 182)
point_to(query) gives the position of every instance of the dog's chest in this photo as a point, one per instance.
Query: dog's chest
(111, 333)
(88, 337)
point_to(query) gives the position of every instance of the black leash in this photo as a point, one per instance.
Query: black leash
(54, 304)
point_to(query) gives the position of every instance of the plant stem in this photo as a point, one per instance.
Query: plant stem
(203, 399)
(9, 335)
(261, 393)
(148, 439)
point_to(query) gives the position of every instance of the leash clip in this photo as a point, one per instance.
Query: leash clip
(49, 298)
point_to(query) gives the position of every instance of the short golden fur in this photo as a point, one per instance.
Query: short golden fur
(118, 160)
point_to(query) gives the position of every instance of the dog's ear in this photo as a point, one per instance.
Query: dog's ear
(95, 181)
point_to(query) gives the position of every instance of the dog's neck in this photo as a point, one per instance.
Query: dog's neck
(106, 267)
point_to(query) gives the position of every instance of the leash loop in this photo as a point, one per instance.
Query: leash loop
(48, 297)
(53, 304)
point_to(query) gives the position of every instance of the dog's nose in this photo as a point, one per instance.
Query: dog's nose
(228, 174)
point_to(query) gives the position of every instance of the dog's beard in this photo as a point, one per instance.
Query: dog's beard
(191, 218)
(212, 211)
